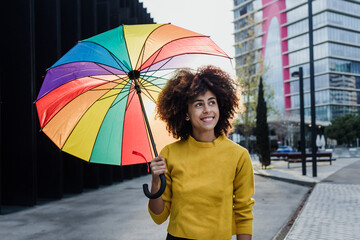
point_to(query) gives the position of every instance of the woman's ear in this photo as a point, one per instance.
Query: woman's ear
(187, 118)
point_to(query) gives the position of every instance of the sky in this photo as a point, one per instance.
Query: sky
(209, 17)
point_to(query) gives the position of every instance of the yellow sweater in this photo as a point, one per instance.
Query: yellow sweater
(209, 189)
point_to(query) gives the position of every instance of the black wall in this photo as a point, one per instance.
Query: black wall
(35, 33)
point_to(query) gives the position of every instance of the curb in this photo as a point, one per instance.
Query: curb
(285, 229)
(293, 181)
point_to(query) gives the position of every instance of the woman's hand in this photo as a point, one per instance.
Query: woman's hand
(158, 167)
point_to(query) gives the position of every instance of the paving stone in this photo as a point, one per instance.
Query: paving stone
(331, 212)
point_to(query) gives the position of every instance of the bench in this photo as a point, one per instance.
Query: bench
(320, 157)
(278, 156)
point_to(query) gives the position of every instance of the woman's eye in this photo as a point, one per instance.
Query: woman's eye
(212, 103)
(198, 105)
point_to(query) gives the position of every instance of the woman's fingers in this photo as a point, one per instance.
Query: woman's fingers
(158, 166)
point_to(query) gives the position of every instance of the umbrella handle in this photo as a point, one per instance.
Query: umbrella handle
(161, 190)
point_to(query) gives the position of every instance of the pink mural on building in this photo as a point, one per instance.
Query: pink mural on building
(274, 10)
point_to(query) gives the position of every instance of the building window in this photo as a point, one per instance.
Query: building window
(343, 6)
(243, 10)
(344, 51)
(342, 81)
(340, 35)
(297, 13)
(338, 65)
(325, 50)
(344, 21)
(357, 84)
(238, 2)
(343, 97)
(320, 66)
(292, 3)
(298, 28)
(342, 110)
(242, 23)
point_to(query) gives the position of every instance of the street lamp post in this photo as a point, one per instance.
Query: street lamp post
(299, 74)
(312, 90)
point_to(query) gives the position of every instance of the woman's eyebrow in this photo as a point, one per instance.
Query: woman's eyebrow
(198, 100)
(202, 100)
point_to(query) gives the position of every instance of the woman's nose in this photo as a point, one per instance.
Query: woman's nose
(206, 108)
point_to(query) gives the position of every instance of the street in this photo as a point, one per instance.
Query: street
(120, 212)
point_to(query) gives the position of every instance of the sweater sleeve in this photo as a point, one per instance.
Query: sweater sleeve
(166, 196)
(243, 192)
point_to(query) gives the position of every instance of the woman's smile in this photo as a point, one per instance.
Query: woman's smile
(207, 119)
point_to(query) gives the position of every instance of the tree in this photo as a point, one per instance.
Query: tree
(249, 68)
(344, 129)
(247, 78)
(262, 128)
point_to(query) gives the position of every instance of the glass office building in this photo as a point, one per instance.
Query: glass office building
(281, 38)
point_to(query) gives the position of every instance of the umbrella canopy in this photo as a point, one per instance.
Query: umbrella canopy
(88, 104)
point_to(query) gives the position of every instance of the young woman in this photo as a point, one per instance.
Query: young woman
(210, 181)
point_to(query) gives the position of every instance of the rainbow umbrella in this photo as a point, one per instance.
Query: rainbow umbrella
(90, 104)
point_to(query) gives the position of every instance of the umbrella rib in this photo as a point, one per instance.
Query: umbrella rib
(158, 53)
(121, 92)
(163, 76)
(145, 85)
(149, 97)
(127, 47)
(111, 54)
(157, 69)
(151, 90)
(110, 74)
(109, 70)
(102, 79)
(146, 91)
(142, 52)
(153, 78)
(148, 84)
(118, 84)
(114, 104)
(117, 61)
(151, 81)
(131, 90)
(119, 99)
(132, 96)
(123, 83)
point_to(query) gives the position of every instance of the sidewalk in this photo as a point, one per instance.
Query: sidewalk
(332, 210)
(280, 170)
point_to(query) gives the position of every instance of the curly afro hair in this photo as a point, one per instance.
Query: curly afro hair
(172, 104)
